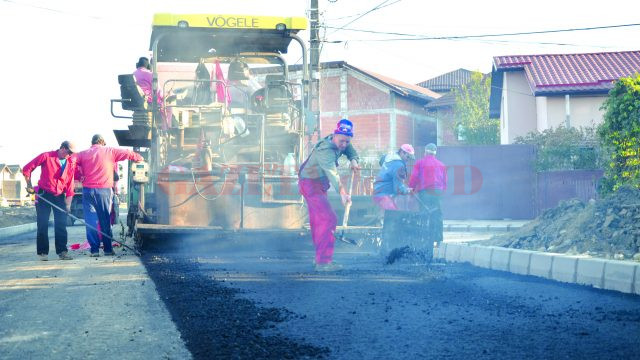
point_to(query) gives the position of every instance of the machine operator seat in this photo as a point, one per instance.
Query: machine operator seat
(277, 94)
(274, 98)
(131, 94)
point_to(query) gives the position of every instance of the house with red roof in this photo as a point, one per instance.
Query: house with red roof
(538, 92)
(386, 112)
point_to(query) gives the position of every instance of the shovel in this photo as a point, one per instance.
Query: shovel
(345, 217)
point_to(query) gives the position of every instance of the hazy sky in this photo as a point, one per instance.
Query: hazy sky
(60, 59)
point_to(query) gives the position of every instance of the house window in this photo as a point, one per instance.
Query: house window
(460, 130)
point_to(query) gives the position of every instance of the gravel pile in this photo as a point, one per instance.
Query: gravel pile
(215, 322)
(607, 228)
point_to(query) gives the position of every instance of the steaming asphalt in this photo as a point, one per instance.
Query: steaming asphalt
(258, 297)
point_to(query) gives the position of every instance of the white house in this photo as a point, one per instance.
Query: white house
(538, 92)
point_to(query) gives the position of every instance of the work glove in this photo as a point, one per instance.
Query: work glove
(346, 199)
(355, 166)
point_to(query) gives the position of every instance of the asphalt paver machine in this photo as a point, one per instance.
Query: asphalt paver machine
(222, 128)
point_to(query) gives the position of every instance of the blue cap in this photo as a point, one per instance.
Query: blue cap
(344, 127)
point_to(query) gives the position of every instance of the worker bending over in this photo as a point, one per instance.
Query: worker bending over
(317, 174)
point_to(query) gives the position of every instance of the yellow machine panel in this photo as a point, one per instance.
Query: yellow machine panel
(221, 21)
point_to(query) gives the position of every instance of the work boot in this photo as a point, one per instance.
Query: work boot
(43, 257)
(64, 256)
(95, 254)
(328, 267)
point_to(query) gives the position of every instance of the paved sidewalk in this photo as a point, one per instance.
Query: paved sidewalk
(86, 308)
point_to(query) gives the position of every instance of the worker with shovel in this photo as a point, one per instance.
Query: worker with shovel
(56, 187)
(389, 189)
(317, 174)
(429, 181)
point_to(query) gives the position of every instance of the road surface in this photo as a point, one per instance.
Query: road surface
(260, 298)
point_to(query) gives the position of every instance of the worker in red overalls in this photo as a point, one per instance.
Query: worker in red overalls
(317, 174)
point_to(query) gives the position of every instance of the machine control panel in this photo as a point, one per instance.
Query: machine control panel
(140, 172)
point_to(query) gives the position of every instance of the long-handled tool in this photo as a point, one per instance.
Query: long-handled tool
(89, 226)
(415, 196)
(345, 217)
(347, 206)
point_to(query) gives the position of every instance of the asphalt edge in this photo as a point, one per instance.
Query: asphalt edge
(618, 275)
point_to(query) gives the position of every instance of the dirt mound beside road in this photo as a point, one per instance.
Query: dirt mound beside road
(608, 228)
(11, 216)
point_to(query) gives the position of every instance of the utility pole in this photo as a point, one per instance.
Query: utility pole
(314, 65)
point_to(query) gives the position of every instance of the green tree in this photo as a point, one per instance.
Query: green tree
(620, 134)
(564, 148)
(471, 110)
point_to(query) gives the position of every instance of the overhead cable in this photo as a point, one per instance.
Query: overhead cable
(454, 37)
(377, 7)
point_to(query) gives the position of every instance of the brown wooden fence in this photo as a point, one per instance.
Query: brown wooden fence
(554, 186)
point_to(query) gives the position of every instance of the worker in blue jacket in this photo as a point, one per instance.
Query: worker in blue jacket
(389, 185)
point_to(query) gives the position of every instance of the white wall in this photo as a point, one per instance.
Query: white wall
(541, 113)
(518, 116)
(556, 112)
(522, 113)
(584, 111)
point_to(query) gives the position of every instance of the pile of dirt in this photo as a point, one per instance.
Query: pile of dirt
(10, 216)
(608, 228)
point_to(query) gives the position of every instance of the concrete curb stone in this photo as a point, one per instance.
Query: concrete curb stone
(452, 252)
(468, 253)
(483, 257)
(438, 253)
(618, 275)
(564, 269)
(591, 272)
(18, 230)
(540, 265)
(520, 260)
(501, 258)
(637, 283)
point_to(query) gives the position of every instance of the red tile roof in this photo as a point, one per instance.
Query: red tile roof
(572, 72)
(401, 86)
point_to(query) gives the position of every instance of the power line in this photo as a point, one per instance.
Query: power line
(350, 16)
(51, 9)
(80, 15)
(538, 43)
(377, 7)
(455, 37)
(503, 42)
